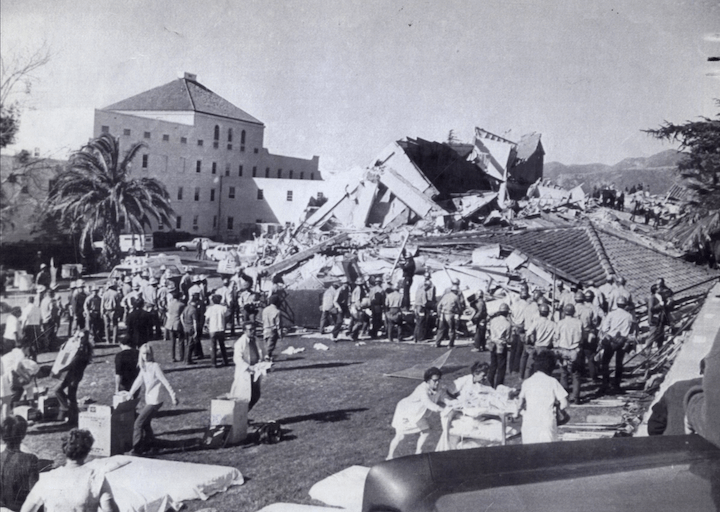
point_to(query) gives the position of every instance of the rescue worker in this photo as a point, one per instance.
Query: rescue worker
(377, 304)
(568, 340)
(518, 308)
(111, 311)
(585, 312)
(499, 332)
(448, 310)
(540, 335)
(424, 307)
(393, 316)
(615, 340)
(479, 319)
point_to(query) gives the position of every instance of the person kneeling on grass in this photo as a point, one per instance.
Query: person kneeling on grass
(153, 378)
(410, 412)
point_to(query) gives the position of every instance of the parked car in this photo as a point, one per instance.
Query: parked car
(191, 245)
(245, 254)
(221, 252)
(153, 264)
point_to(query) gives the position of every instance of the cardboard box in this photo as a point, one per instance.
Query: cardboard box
(233, 413)
(111, 428)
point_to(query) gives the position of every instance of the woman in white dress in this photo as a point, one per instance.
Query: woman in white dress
(410, 412)
(539, 395)
(246, 355)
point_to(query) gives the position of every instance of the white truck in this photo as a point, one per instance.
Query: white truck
(141, 243)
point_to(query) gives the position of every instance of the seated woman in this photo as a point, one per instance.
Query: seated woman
(72, 487)
(19, 469)
(410, 412)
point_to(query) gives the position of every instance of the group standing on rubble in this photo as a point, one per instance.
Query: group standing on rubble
(585, 327)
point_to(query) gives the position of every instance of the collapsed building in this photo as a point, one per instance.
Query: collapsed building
(417, 181)
(481, 212)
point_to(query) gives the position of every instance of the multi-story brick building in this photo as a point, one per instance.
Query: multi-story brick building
(210, 156)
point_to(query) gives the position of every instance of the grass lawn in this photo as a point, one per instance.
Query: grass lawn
(335, 408)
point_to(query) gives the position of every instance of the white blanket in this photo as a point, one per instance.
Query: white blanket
(153, 485)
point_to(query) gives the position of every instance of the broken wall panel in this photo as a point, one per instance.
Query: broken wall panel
(447, 167)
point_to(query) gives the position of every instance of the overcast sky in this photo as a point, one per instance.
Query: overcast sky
(343, 79)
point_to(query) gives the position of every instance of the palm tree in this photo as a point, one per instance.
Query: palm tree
(96, 194)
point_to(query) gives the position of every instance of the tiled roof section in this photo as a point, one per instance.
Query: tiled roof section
(679, 193)
(571, 252)
(183, 94)
(641, 267)
(584, 253)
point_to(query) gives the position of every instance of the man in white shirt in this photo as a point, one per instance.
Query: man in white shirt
(215, 318)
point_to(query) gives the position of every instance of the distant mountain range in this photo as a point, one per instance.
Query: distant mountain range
(656, 173)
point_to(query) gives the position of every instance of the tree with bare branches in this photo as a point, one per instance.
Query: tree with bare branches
(17, 75)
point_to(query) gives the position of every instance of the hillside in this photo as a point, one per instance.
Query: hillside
(656, 173)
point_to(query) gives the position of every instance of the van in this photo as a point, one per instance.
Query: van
(140, 242)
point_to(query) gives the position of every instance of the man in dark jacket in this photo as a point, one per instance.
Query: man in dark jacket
(69, 376)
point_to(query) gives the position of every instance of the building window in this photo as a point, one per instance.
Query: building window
(183, 140)
(254, 172)
(240, 171)
(229, 147)
(267, 172)
(105, 129)
(216, 137)
(279, 173)
(291, 173)
(200, 142)
(146, 135)
(289, 195)
(229, 134)
(214, 221)
(212, 194)
(302, 174)
(198, 166)
(255, 151)
(180, 193)
(231, 193)
(166, 137)
(242, 137)
(260, 195)
(197, 193)
(230, 222)
(312, 175)
(258, 221)
(242, 148)
(214, 167)
(126, 132)
(178, 222)
(196, 218)
(145, 162)
(161, 226)
(227, 169)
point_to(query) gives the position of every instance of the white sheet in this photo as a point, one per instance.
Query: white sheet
(153, 485)
(343, 489)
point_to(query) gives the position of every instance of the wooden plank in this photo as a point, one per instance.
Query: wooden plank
(301, 256)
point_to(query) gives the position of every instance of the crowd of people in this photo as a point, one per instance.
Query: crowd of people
(584, 325)
(532, 336)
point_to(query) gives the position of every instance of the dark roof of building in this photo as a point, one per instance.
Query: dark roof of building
(582, 253)
(184, 94)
